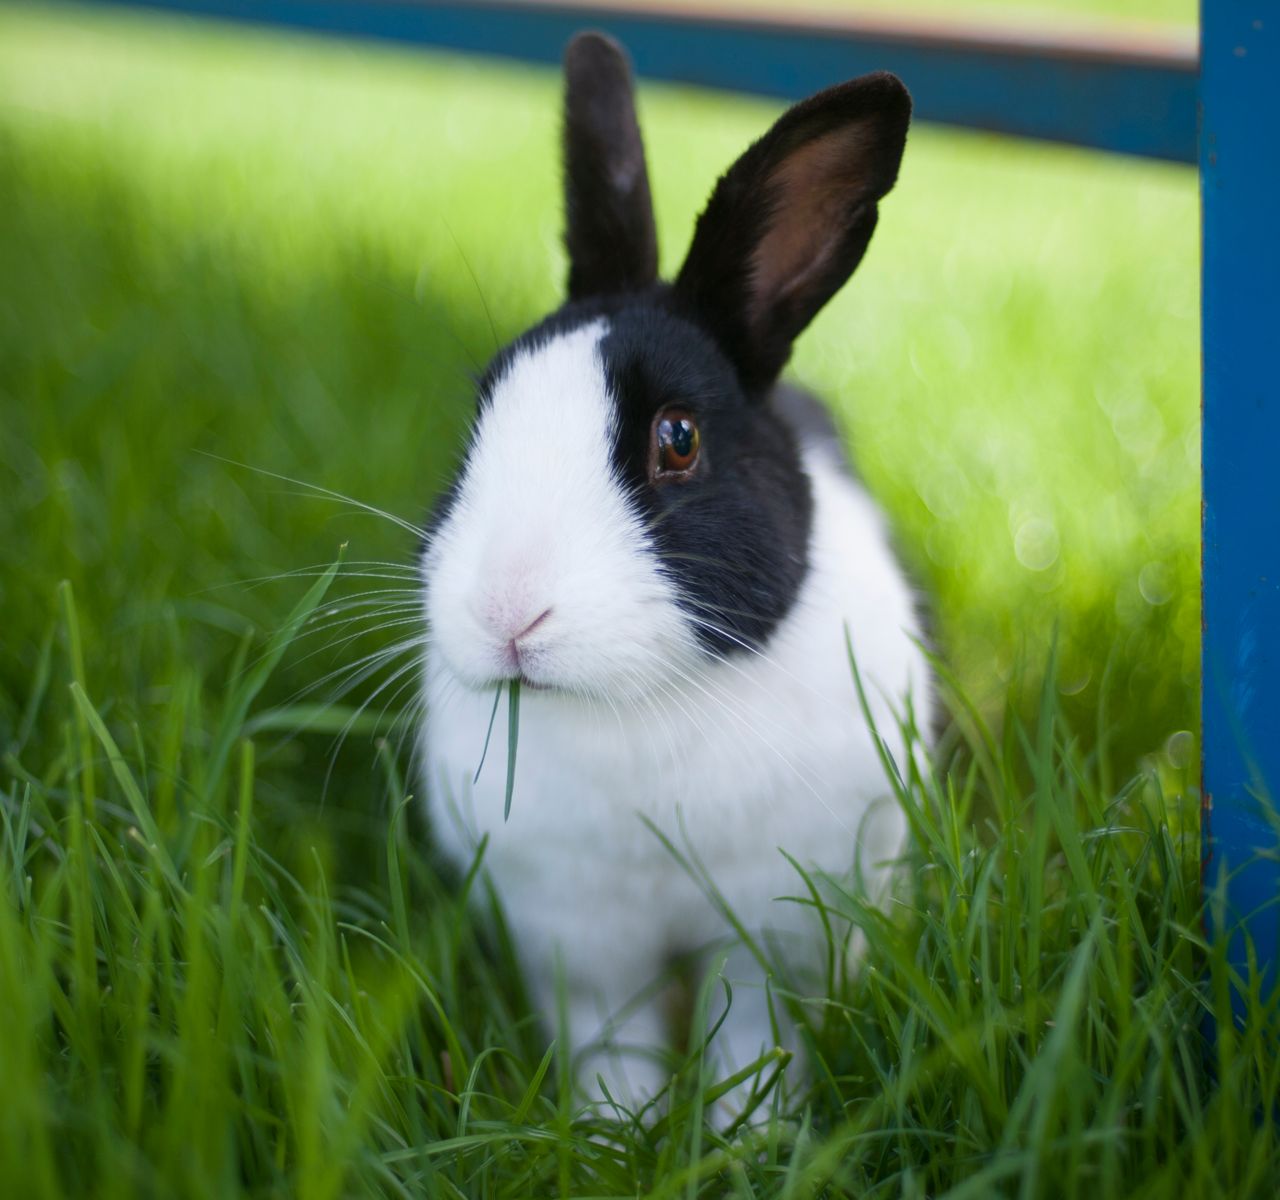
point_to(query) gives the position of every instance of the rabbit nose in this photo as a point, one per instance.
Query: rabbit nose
(509, 623)
(513, 651)
(529, 628)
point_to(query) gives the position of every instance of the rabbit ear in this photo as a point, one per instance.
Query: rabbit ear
(609, 230)
(791, 219)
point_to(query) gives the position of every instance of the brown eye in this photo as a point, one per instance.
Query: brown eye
(675, 444)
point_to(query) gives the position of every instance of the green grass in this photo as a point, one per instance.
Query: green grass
(226, 962)
(188, 1013)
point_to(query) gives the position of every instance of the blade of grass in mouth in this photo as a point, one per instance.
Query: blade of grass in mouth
(488, 733)
(513, 735)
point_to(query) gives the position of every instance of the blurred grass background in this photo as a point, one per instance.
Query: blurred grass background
(293, 253)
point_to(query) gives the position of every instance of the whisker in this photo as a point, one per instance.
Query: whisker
(750, 649)
(466, 262)
(413, 664)
(333, 643)
(355, 608)
(317, 490)
(356, 672)
(337, 618)
(393, 571)
(339, 623)
(394, 696)
(406, 582)
(410, 720)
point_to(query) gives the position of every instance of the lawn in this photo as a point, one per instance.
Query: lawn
(242, 267)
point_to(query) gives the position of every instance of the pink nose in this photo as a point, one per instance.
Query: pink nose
(513, 643)
(528, 629)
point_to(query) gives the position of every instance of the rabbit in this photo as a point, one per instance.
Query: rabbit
(665, 547)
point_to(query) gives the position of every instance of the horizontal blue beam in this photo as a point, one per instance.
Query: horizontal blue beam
(1124, 97)
(1240, 188)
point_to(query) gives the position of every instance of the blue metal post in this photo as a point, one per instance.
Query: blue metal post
(1240, 182)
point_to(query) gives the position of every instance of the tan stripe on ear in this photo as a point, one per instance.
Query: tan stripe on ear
(815, 190)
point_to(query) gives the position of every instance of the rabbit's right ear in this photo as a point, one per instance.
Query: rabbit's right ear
(609, 230)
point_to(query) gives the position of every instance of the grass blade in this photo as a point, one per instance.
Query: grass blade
(513, 736)
(238, 708)
(128, 784)
(488, 733)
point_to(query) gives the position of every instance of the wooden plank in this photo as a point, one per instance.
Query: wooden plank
(1240, 184)
(1131, 94)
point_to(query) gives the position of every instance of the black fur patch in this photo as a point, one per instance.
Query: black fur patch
(734, 537)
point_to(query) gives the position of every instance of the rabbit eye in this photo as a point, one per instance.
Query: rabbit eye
(674, 452)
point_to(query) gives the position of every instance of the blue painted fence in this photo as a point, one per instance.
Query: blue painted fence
(1117, 96)
(1240, 189)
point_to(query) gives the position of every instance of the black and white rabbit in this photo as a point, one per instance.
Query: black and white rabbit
(666, 547)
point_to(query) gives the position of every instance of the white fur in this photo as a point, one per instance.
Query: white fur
(735, 759)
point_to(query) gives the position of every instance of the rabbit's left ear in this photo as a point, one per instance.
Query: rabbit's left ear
(609, 229)
(791, 219)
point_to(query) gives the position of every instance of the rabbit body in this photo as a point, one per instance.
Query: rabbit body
(669, 550)
(751, 756)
